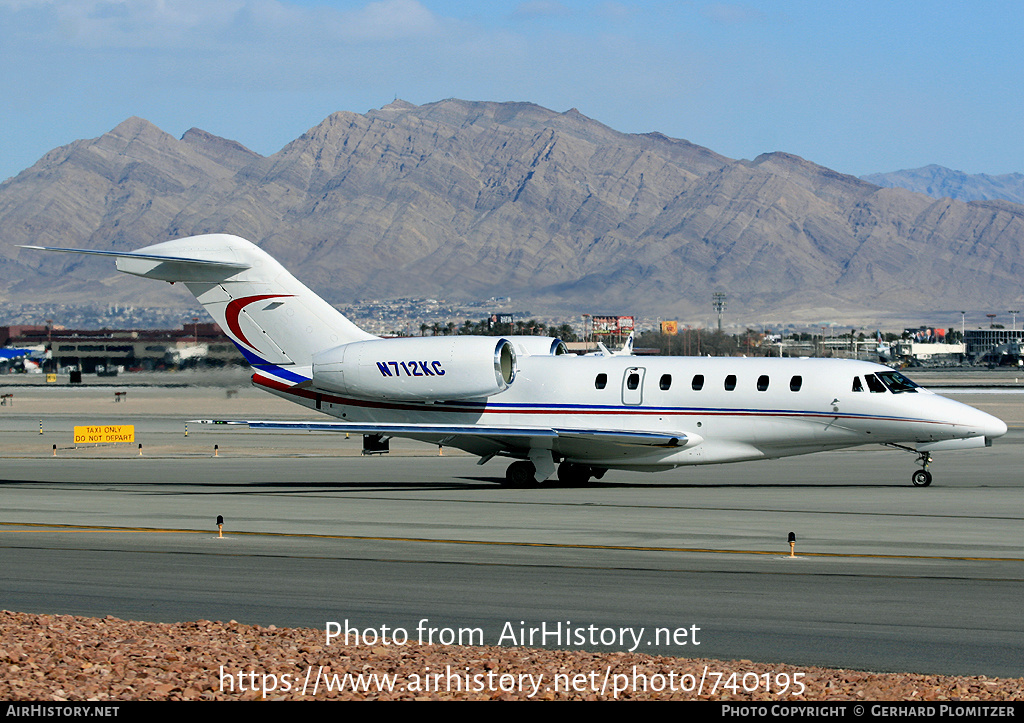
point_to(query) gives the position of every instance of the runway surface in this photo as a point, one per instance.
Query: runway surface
(888, 577)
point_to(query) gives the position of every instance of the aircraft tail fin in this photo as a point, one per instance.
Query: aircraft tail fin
(271, 316)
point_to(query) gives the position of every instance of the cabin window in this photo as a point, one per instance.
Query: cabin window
(633, 381)
(857, 386)
(874, 384)
(897, 383)
(698, 382)
(666, 382)
(762, 383)
(601, 382)
(730, 382)
(795, 383)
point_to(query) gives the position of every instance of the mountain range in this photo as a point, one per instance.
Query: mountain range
(466, 200)
(940, 182)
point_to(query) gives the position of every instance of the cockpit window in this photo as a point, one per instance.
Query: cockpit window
(857, 386)
(874, 384)
(896, 382)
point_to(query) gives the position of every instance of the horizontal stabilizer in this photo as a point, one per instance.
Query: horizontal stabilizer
(160, 266)
(136, 255)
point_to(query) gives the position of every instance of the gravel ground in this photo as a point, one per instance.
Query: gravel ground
(67, 658)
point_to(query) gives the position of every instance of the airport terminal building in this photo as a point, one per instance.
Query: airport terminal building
(994, 343)
(109, 350)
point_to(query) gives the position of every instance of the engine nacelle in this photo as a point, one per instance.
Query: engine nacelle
(418, 369)
(538, 345)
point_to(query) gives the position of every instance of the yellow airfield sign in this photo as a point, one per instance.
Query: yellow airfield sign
(105, 434)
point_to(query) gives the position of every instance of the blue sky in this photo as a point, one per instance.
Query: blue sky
(857, 86)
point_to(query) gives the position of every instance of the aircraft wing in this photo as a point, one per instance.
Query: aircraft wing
(487, 440)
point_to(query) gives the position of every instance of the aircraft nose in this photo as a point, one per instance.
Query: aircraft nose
(993, 427)
(985, 424)
(975, 422)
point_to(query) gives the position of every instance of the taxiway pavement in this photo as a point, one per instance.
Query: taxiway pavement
(887, 577)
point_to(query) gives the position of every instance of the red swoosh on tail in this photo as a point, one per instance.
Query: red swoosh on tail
(235, 307)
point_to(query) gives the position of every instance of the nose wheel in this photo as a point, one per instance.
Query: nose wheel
(922, 478)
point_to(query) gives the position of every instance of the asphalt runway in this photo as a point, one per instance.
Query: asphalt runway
(888, 577)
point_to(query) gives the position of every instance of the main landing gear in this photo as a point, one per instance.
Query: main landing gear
(921, 478)
(573, 474)
(521, 474)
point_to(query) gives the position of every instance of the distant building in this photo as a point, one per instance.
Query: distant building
(982, 341)
(104, 350)
(928, 351)
(7, 333)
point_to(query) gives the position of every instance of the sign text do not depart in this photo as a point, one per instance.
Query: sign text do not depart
(105, 434)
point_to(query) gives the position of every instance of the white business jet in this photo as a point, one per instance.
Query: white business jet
(526, 399)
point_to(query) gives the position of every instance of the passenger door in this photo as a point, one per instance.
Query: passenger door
(633, 386)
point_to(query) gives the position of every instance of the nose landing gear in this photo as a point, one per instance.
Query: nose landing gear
(921, 478)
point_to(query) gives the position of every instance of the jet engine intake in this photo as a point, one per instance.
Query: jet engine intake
(538, 345)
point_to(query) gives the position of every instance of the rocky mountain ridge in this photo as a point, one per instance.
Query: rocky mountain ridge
(460, 199)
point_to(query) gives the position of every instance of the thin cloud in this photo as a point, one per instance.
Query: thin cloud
(170, 24)
(732, 14)
(390, 20)
(616, 10)
(540, 9)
